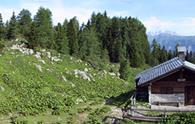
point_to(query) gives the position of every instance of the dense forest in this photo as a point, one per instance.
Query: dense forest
(102, 39)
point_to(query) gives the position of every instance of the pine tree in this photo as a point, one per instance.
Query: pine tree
(156, 52)
(24, 22)
(163, 55)
(124, 69)
(72, 34)
(137, 44)
(33, 37)
(104, 55)
(61, 39)
(2, 28)
(89, 45)
(44, 28)
(115, 45)
(101, 23)
(12, 31)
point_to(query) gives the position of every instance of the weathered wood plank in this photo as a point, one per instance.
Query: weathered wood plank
(144, 118)
(177, 97)
(161, 110)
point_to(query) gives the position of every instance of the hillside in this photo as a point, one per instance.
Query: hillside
(47, 83)
(170, 40)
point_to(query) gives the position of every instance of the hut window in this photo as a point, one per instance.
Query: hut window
(166, 90)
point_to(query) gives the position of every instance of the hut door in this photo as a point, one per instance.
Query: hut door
(190, 95)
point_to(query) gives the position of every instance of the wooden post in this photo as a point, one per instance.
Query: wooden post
(132, 111)
(149, 94)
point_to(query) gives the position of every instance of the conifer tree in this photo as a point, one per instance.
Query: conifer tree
(124, 69)
(24, 23)
(61, 39)
(33, 36)
(2, 28)
(44, 28)
(115, 41)
(89, 45)
(156, 52)
(72, 34)
(12, 28)
(104, 55)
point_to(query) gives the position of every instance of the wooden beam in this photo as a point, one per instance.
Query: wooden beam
(161, 110)
(149, 93)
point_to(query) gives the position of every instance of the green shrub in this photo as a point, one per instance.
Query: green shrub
(180, 118)
(55, 112)
(13, 120)
(1, 46)
(93, 120)
(85, 109)
(40, 122)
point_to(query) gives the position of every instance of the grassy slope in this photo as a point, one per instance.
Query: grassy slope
(25, 90)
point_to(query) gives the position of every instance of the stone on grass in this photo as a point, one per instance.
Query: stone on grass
(2, 88)
(64, 78)
(86, 70)
(112, 74)
(38, 67)
(42, 61)
(55, 59)
(48, 55)
(22, 49)
(84, 75)
(79, 100)
(38, 55)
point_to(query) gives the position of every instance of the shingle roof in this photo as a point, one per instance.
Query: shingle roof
(162, 69)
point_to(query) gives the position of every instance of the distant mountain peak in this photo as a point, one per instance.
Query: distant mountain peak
(171, 39)
(162, 33)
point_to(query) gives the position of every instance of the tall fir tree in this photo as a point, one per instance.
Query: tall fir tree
(155, 54)
(163, 55)
(33, 36)
(124, 69)
(72, 34)
(104, 55)
(24, 23)
(12, 30)
(44, 28)
(101, 22)
(115, 45)
(61, 39)
(2, 28)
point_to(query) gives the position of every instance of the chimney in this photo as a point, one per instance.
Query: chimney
(181, 52)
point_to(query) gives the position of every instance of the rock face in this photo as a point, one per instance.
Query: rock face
(84, 75)
(38, 55)
(22, 49)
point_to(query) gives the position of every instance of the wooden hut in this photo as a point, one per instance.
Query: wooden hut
(170, 83)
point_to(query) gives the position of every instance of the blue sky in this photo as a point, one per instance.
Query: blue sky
(157, 15)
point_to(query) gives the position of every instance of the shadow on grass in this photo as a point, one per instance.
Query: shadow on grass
(121, 100)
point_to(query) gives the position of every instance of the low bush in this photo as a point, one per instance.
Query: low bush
(180, 118)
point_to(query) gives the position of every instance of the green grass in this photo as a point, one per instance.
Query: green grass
(31, 94)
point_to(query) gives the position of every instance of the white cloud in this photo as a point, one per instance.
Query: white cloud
(61, 9)
(183, 26)
(7, 13)
(153, 23)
